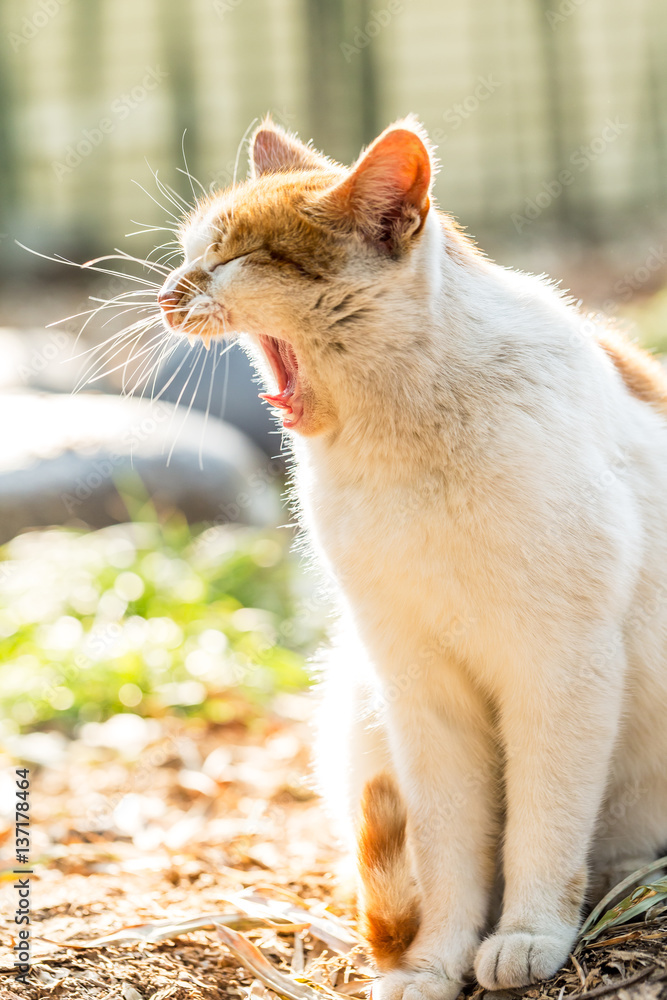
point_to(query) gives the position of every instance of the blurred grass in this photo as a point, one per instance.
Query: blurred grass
(152, 619)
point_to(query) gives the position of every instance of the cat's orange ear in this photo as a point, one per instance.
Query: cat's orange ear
(386, 195)
(273, 150)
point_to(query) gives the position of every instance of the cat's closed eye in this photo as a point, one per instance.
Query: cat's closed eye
(221, 263)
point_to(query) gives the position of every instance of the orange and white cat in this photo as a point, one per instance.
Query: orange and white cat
(483, 470)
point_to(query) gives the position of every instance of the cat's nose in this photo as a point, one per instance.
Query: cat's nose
(168, 298)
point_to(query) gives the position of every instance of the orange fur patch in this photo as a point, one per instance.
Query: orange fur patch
(573, 897)
(642, 374)
(390, 905)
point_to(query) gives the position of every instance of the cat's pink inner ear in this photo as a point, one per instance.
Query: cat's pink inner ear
(393, 175)
(272, 150)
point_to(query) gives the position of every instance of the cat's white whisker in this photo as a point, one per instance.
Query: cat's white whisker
(104, 304)
(214, 366)
(150, 364)
(187, 170)
(149, 227)
(112, 304)
(102, 369)
(131, 329)
(189, 409)
(138, 310)
(172, 377)
(165, 353)
(109, 342)
(162, 208)
(173, 197)
(146, 349)
(191, 178)
(225, 385)
(58, 259)
(198, 353)
(171, 248)
(147, 231)
(121, 255)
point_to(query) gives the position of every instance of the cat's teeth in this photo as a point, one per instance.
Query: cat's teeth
(206, 340)
(192, 339)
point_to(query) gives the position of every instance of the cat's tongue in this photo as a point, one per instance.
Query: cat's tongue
(285, 367)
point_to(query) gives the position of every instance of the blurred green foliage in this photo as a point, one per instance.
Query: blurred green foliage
(650, 318)
(153, 619)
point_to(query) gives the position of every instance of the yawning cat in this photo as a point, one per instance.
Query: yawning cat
(483, 471)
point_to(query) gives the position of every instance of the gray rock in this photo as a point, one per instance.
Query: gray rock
(62, 459)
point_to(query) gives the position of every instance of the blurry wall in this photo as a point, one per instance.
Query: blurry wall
(549, 110)
(538, 106)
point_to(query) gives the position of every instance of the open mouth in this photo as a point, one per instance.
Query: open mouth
(285, 368)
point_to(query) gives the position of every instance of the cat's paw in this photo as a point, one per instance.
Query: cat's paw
(415, 985)
(517, 959)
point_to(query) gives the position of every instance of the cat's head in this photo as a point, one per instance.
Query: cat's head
(306, 259)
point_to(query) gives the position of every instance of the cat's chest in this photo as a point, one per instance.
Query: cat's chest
(397, 544)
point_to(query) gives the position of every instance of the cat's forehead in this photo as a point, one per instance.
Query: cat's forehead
(258, 211)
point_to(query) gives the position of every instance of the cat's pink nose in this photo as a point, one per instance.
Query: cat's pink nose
(168, 298)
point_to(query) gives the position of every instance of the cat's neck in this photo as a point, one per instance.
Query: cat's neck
(426, 392)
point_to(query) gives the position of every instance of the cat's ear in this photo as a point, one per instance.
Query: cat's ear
(386, 194)
(273, 150)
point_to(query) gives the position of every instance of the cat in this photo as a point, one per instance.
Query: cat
(482, 469)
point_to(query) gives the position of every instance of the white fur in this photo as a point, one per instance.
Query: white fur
(490, 502)
(507, 574)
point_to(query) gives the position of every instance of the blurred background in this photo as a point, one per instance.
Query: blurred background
(549, 118)
(155, 627)
(145, 577)
(513, 93)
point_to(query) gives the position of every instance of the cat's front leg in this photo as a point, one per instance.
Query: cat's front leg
(445, 762)
(559, 737)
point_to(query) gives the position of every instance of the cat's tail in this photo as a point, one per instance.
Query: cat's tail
(389, 901)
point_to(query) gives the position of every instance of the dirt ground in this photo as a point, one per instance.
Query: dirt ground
(159, 822)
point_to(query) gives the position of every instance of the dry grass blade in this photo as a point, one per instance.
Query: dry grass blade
(162, 930)
(606, 901)
(606, 988)
(333, 933)
(356, 987)
(578, 969)
(619, 939)
(643, 898)
(253, 960)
